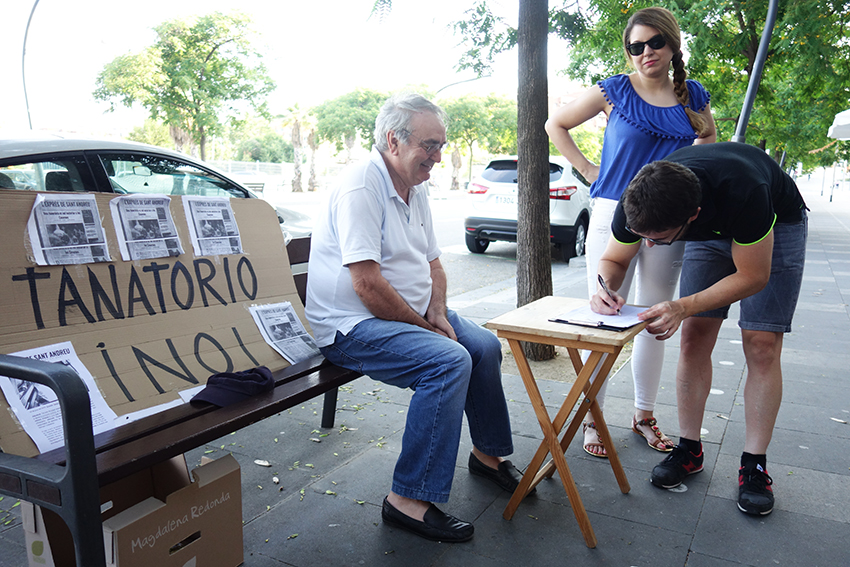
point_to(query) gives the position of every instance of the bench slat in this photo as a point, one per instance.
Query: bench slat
(133, 456)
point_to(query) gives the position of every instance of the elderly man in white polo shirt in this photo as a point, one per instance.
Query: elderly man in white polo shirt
(376, 300)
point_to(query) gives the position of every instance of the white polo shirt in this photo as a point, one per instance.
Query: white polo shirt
(366, 219)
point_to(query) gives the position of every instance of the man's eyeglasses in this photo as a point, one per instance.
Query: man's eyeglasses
(655, 42)
(662, 242)
(430, 146)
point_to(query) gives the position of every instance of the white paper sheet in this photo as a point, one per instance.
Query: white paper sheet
(144, 227)
(37, 407)
(283, 331)
(212, 226)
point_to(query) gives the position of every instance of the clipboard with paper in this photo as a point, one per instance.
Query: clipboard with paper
(585, 317)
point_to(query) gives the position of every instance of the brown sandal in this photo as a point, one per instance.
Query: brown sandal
(599, 443)
(657, 443)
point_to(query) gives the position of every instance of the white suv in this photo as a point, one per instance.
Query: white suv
(493, 213)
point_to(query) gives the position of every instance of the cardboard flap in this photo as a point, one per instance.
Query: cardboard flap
(133, 514)
(214, 470)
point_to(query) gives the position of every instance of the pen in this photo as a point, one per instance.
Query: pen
(608, 291)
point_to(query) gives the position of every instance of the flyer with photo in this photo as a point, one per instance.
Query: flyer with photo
(144, 227)
(66, 229)
(212, 226)
(283, 331)
(37, 407)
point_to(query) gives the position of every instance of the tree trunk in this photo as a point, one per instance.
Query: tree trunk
(349, 146)
(456, 164)
(179, 137)
(202, 143)
(311, 141)
(534, 264)
(296, 150)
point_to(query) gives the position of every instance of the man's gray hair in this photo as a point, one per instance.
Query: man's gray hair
(398, 112)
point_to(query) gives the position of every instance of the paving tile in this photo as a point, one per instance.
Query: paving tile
(799, 490)
(14, 553)
(782, 538)
(548, 535)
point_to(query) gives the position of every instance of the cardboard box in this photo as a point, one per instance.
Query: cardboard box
(156, 517)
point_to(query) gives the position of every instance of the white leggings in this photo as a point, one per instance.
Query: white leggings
(658, 269)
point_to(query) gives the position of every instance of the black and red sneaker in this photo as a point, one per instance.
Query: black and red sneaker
(755, 494)
(672, 471)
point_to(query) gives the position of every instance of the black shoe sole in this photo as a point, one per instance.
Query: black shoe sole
(392, 517)
(754, 512)
(411, 530)
(668, 487)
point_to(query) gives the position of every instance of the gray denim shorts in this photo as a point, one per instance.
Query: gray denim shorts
(771, 309)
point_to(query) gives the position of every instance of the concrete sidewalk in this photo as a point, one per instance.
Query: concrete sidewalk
(326, 509)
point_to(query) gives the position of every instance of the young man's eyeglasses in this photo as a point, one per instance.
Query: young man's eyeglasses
(430, 146)
(662, 242)
(655, 42)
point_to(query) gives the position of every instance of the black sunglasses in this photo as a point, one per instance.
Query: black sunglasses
(655, 42)
(662, 242)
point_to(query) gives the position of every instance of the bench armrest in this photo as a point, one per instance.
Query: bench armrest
(71, 491)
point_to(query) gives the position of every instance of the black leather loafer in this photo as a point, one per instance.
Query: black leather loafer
(438, 526)
(506, 477)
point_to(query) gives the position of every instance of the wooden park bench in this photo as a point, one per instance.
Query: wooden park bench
(67, 481)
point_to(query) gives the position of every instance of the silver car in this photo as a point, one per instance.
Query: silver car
(70, 165)
(493, 207)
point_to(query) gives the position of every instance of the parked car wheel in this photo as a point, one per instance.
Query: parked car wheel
(575, 247)
(476, 245)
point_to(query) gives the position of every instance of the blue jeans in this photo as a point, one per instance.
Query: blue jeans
(448, 378)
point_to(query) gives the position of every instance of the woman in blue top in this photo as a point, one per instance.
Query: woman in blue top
(650, 114)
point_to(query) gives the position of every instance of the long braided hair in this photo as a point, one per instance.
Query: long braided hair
(665, 22)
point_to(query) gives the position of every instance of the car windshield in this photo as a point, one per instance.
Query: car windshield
(140, 173)
(505, 171)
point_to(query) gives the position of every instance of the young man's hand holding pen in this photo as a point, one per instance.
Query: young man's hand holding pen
(606, 301)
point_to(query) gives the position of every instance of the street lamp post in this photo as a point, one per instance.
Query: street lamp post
(23, 63)
(755, 76)
(459, 82)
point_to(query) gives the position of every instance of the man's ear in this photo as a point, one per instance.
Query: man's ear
(392, 142)
(696, 214)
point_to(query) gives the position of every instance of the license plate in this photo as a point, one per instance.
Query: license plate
(502, 200)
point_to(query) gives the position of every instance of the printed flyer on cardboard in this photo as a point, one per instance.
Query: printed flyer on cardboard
(144, 227)
(37, 407)
(66, 229)
(283, 331)
(212, 226)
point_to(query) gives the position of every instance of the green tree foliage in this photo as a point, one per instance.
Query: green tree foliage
(486, 34)
(588, 140)
(341, 120)
(490, 123)
(270, 147)
(194, 74)
(153, 133)
(806, 79)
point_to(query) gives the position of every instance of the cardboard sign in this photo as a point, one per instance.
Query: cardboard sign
(145, 329)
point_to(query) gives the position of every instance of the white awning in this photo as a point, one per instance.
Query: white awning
(840, 129)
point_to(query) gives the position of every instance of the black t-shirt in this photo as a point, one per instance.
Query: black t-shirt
(743, 192)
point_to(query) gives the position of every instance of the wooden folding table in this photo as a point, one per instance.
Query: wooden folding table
(530, 323)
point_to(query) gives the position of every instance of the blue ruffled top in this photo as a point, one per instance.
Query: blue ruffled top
(639, 133)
